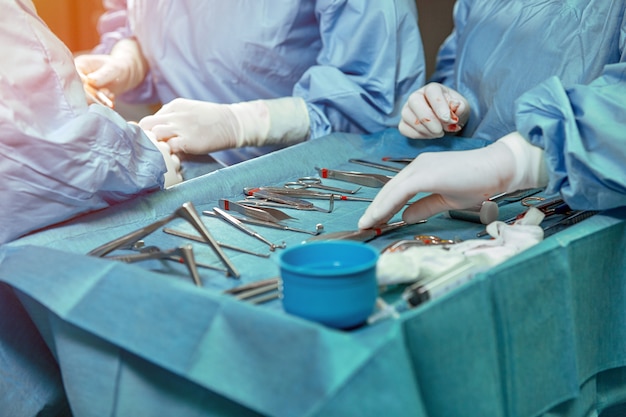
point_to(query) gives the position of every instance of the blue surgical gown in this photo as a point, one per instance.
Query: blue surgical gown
(354, 62)
(554, 71)
(58, 156)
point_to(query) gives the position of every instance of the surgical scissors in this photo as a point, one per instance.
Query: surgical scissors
(314, 182)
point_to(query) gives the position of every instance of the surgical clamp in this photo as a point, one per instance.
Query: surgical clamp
(361, 178)
(188, 212)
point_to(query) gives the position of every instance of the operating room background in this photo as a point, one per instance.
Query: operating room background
(74, 22)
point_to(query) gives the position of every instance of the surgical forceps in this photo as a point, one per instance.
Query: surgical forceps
(188, 212)
(361, 178)
(314, 182)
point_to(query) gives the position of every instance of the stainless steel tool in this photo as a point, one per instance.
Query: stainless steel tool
(239, 225)
(361, 178)
(188, 212)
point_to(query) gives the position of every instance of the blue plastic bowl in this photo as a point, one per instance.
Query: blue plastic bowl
(330, 282)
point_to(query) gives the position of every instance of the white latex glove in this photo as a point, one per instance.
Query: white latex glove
(432, 111)
(173, 175)
(198, 127)
(122, 70)
(458, 179)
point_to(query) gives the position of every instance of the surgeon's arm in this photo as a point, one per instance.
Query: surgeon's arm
(60, 157)
(371, 60)
(581, 129)
(458, 180)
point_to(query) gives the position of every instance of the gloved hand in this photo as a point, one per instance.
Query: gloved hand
(122, 70)
(172, 162)
(198, 127)
(432, 111)
(458, 180)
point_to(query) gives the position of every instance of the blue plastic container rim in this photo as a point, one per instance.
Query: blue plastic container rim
(369, 253)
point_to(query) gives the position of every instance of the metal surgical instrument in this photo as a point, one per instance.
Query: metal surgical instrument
(178, 233)
(307, 194)
(257, 292)
(318, 227)
(184, 253)
(361, 178)
(266, 214)
(573, 218)
(95, 94)
(375, 165)
(419, 240)
(314, 182)
(506, 198)
(188, 212)
(279, 200)
(363, 235)
(396, 159)
(239, 225)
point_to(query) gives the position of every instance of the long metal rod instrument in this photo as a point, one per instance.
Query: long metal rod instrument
(318, 227)
(304, 193)
(189, 236)
(239, 225)
(361, 178)
(188, 212)
(257, 292)
(397, 159)
(364, 235)
(184, 252)
(374, 165)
